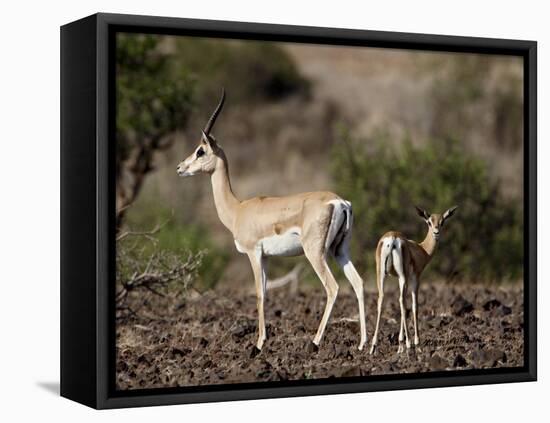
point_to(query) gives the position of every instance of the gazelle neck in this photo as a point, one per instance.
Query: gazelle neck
(225, 201)
(429, 244)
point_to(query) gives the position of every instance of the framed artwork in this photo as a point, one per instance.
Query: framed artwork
(258, 211)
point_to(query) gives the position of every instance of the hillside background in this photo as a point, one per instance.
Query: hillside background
(385, 129)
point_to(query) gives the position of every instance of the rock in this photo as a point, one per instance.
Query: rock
(180, 351)
(266, 371)
(282, 374)
(340, 351)
(381, 369)
(200, 342)
(459, 361)
(497, 355)
(242, 328)
(479, 357)
(460, 306)
(352, 371)
(504, 310)
(496, 306)
(438, 363)
(264, 374)
(488, 358)
(143, 359)
(440, 321)
(491, 304)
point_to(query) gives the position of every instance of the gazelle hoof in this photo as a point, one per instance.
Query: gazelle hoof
(372, 349)
(400, 349)
(255, 351)
(312, 347)
(260, 343)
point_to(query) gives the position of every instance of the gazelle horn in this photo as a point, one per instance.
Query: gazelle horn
(214, 116)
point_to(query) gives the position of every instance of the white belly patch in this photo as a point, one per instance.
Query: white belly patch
(288, 244)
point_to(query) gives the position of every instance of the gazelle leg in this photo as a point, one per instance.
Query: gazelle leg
(398, 266)
(403, 329)
(380, 276)
(414, 297)
(357, 283)
(319, 264)
(257, 261)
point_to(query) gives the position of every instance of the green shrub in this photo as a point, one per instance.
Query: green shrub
(178, 238)
(153, 99)
(154, 96)
(251, 71)
(145, 272)
(477, 95)
(484, 239)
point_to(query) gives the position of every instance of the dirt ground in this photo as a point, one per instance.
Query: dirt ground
(209, 338)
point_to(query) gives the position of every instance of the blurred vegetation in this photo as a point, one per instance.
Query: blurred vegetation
(154, 98)
(471, 98)
(179, 238)
(165, 84)
(263, 70)
(484, 239)
(143, 272)
(159, 80)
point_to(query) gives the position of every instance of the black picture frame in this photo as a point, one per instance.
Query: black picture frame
(87, 209)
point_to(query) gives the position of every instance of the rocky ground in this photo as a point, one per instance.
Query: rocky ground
(209, 338)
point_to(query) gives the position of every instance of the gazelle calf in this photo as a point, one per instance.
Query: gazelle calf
(316, 224)
(398, 256)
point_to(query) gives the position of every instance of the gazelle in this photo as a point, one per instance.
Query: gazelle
(398, 256)
(316, 224)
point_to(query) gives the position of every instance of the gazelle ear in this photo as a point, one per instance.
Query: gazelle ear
(449, 212)
(422, 213)
(207, 139)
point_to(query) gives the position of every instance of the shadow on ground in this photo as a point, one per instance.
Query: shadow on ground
(51, 387)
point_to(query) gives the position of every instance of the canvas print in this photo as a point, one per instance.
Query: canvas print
(290, 212)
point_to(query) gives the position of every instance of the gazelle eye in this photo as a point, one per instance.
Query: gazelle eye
(200, 152)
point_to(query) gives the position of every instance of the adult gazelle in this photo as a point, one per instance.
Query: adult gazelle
(315, 224)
